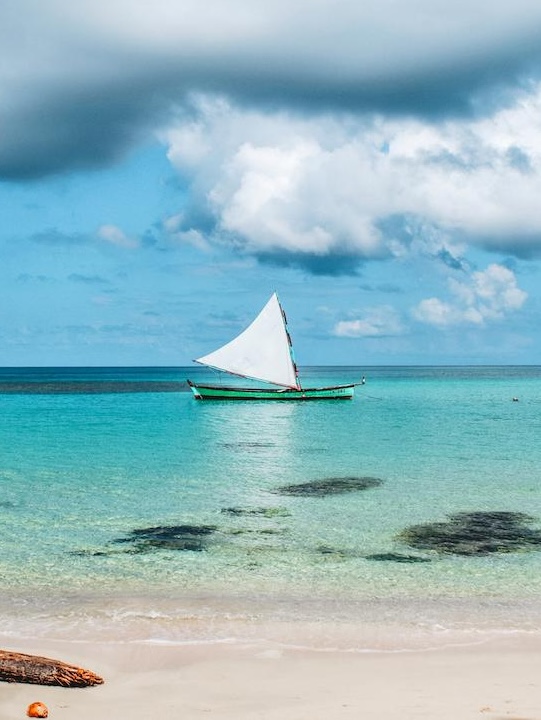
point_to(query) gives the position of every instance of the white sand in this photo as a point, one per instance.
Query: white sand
(500, 679)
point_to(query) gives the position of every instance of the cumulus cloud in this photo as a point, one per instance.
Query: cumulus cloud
(379, 321)
(173, 228)
(322, 135)
(83, 82)
(331, 192)
(115, 236)
(489, 295)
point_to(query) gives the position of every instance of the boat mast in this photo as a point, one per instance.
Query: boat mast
(291, 351)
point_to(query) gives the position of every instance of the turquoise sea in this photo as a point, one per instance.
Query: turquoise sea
(130, 511)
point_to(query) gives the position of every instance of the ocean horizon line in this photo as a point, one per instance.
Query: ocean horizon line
(305, 366)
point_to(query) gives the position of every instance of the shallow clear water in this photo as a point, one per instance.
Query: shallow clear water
(90, 455)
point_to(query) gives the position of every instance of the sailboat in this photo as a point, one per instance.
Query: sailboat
(263, 352)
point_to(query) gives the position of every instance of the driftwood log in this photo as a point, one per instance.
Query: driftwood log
(22, 668)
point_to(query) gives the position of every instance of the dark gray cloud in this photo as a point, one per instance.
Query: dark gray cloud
(83, 83)
(524, 246)
(55, 237)
(76, 129)
(88, 279)
(334, 263)
(473, 87)
(388, 288)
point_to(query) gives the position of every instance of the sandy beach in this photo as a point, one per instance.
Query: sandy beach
(493, 680)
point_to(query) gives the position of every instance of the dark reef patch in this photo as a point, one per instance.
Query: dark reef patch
(265, 512)
(329, 486)
(91, 387)
(397, 557)
(475, 533)
(169, 537)
(7, 505)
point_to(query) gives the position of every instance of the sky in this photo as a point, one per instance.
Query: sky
(166, 166)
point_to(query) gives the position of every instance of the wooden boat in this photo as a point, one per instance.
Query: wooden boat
(263, 352)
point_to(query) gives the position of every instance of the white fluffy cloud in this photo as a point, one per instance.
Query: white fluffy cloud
(364, 187)
(490, 295)
(372, 322)
(268, 181)
(115, 236)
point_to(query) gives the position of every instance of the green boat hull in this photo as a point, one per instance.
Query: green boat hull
(220, 392)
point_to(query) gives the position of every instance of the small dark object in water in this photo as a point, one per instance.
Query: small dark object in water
(250, 531)
(248, 445)
(330, 486)
(329, 551)
(169, 537)
(515, 399)
(88, 553)
(23, 668)
(397, 557)
(475, 533)
(268, 512)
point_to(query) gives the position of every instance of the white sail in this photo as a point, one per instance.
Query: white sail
(262, 351)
